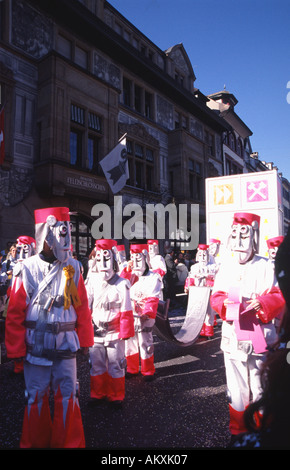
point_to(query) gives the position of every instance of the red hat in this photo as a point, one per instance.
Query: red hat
(214, 240)
(203, 247)
(105, 244)
(275, 241)
(25, 240)
(120, 247)
(245, 218)
(138, 248)
(151, 242)
(60, 213)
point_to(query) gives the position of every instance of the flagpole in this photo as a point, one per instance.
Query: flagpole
(122, 137)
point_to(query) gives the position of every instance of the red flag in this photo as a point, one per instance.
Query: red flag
(2, 142)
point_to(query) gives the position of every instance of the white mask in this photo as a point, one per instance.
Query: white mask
(59, 240)
(105, 264)
(139, 263)
(242, 242)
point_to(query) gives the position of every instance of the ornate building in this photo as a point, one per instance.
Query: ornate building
(75, 76)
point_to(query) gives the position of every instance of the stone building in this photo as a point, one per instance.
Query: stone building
(75, 76)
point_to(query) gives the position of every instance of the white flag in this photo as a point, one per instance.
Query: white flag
(115, 166)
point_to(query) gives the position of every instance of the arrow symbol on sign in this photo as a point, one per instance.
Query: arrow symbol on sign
(223, 193)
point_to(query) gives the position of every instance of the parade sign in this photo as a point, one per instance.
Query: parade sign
(259, 193)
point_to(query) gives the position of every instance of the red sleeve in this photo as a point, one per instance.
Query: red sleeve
(150, 307)
(217, 302)
(272, 303)
(84, 325)
(126, 274)
(14, 326)
(159, 271)
(127, 329)
(189, 281)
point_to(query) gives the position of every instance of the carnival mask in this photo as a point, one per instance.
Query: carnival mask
(202, 257)
(242, 242)
(105, 263)
(59, 238)
(139, 263)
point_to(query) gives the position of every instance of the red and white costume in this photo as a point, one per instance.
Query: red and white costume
(48, 320)
(25, 248)
(121, 260)
(202, 273)
(273, 245)
(157, 262)
(110, 303)
(145, 294)
(245, 273)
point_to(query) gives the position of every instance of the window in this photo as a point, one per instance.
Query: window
(239, 148)
(209, 140)
(195, 180)
(64, 46)
(94, 122)
(232, 142)
(75, 148)
(77, 115)
(137, 98)
(127, 91)
(148, 105)
(85, 136)
(92, 162)
(82, 240)
(232, 168)
(81, 57)
(141, 165)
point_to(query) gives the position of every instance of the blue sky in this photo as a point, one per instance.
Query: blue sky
(241, 44)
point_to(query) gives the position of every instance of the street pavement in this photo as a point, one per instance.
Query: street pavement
(182, 410)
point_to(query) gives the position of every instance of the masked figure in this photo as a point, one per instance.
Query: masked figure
(121, 260)
(145, 293)
(110, 303)
(157, 262)
(214, 250)
(48, 320)
(202, 274)
(273, 245)
(25, 247)
(247, 301)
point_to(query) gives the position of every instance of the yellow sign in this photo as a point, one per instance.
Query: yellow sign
(223, 194)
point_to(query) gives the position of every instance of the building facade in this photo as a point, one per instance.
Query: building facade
(76, 76)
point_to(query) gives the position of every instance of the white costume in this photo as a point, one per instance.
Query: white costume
(242, 279)
(110, 303)
(202, 274)
(48, 320)
(157, 262)
(145, 293)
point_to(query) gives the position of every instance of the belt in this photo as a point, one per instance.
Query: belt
(55, 327)
(110, 305)
(53, 354)
(105, 327)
